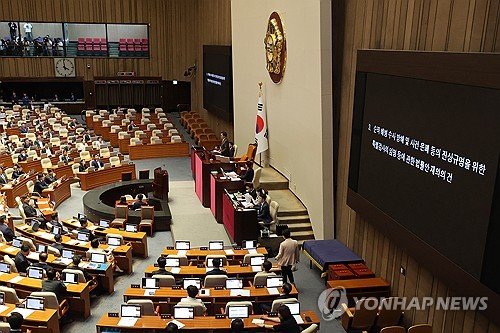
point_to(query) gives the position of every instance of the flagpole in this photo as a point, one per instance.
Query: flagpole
(260, 95)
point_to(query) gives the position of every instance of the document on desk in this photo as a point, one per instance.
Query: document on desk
(16, 279)
(229, 252)
(11, 249)
(256, 268)
(23, 311)
(240, 292)
(127, 321)
(178, 323)
(34, 256)
(147, 292)
(257, 321)
(273, 291)
(298, 319)
(72, 242)
(182, 252)
(45, 235)
(252, 251)
(175, 270)
(65, 261)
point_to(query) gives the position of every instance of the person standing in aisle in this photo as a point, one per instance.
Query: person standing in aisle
(288, 256)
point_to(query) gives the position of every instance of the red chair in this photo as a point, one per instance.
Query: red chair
(145, 48)
(104, 48)
(130, 46)
(97, 46)
(137, 46)
(80, 47)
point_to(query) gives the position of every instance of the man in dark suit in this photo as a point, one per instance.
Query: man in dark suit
(216, 271)
(39, 142)
(3, 177)
(8, 234)
(21, 260)
(23, 156)
(249, 173)
(55, 286)
(18, 171)
(56, 223)
(42, 262)
(83, 166)
(96, 162)
(65, 157)
(40, 184)
(162, 262)
(57, 244)
(231, 149)
(83, 228)
(224, 146)
(139, 203)
(131, 126)
(31, 212)
(75, 265)
(264, 214)
(50, 177)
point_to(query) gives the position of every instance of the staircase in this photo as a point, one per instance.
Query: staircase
(291, 212)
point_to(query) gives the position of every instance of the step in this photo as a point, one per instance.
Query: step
(295, 219)
(291, 213)
(302, 235)
(298, 227)
(271, 179)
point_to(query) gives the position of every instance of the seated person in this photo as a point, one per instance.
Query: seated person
(83, 166)
(31, 212)
(57, 243)
(54, 285)
(21, 260)
(39, 141)
(50, 177)
(285, 321)
(72, 124)
(216, 270)
(94, 248)
(56, 223)
(192, 293)
(123, 200)
(249, 173)
(139, 203)
(162, 262)
(22, 156)
(18, 171)
(96, 162)
(65, 157)
(27, 143)
(250, 191)
(171, 328)
(83, 228)
(286, 289)
(266, 269)
(237, 326)
(75, 265)
(263, 213)
(42, 262)
(15, 321)
(7, 232)
(3, 177)
(40, 184)
(131, 126)
(47, 150)
(23, 129)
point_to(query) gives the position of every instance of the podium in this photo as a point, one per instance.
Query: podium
(160, 184)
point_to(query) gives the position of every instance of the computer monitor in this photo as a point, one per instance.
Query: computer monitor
(83, 236)
(131, 227)
(172, 262)
(249, 244)
(182, 245)
(56, 230)
(70, 277)
(128, 310)
(274, 281)
(35, 272)
(191, 282)
(233, 283)
(257, 261)
(236, 311)
(4, 267)
(104, 223)
(215, 245)
(150, 283)
(210, 262)
(183, 312)
(34, 303)
(42, 248)
(99, 258)
(16, 242)
(67, 254)
(294, 307)
(114, 241)
(81, 216)
(2, 297)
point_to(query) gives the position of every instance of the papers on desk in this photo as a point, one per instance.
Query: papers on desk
(252, 251)
(273, 291)
(240, 292)
(257, 321)
(247, 204)
(72, 242)
(182, 252)
(23, 311)
(16, 279)
(10, 249)
(256, 268)
(229, 252)
(298, 319)
(127, 321)
(149, 292)
(178, 323)
(45, 235)
(175, 270)
(65, 261)
(34, 256)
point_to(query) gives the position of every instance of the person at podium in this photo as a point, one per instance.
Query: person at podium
(224, 146)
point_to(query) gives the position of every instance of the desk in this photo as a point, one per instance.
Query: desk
(199, 256)
(371, 287)
(43, 319)
(59, 193)
(217, 187)
(6, 161)
(214, 301)
(240, 223)
(17, 190)
(138, 240)
(93, 179)
(169, 149)
(202, 324)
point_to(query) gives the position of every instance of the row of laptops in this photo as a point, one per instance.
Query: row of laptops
(175, 262)
(215, 245)
(31, 302)
(104, 224)
(187, 312)
(231, 283)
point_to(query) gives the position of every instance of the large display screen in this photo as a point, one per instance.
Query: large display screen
(218, 79)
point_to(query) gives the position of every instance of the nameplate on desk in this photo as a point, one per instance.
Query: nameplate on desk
(155, 264)
(244, 264)
(237, 248)
(165, 316)
(176, 287)
(200, 265)
(272, 314)
(259, 286)
(219, 287)
(170, 248)
(203, 248)
(21, 306)
(113, 314)
(220, 316)
(135, 286)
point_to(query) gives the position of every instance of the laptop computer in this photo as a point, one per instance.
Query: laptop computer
(114, 241)
(42, 248)
(99, 258)
(182, 245)
(56, 230)
(257, 261)
(191, 282)
(35, 303)
(67, 254)
(83, 236)
(35, 272)
(215, 245)
(234, 283)
(150, 283)
(183, 312)
(70, 277)
(235, 311)
(249, 244)
(131, 227)
(133, 311)
(274, 281)
(4, 267)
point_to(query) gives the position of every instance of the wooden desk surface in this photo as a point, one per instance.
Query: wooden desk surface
(199, 323)
(359, 283)
(36, 316)
(198, 272)
(93, 179)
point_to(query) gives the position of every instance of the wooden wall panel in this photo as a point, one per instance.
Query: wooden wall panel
(431, 25)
